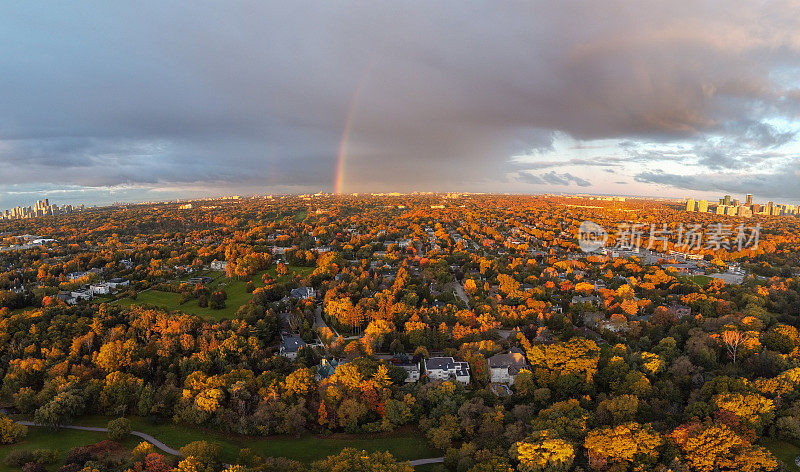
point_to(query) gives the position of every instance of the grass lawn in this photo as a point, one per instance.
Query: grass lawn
(63, 440)
(234, 287)
(407, 445)
(701, 280)
(784, 451)
(430, 468)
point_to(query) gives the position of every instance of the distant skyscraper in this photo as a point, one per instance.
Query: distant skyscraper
(749, 200)
(727, 200)
(690, 204)
(735, 202)
(702, 206)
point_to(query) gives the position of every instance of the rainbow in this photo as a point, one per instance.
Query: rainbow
(341, 157)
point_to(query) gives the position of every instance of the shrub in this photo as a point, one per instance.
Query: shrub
(18, 458)
(45, 456)
(142, 450)
(11, 431)
(119, 428)
(34, 467)
(205, 452)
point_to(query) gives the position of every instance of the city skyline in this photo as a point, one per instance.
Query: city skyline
(40, 208)
(731, 206)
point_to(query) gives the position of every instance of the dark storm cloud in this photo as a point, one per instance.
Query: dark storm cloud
(439, 93)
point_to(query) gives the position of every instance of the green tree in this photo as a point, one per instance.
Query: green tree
(353, 460)
(119, 428)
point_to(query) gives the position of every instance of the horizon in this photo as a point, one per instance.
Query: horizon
(120, 103)
(184, 199)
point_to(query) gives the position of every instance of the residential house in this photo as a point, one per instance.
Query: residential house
(117, 282)
(503, 368)
(446, 368)
(326, 368)
(679, 311)
(305, 293)
(82, 294)
(218, 265)
(594, 300)
(100, 289)
(290, 345)
(202, 280)
(412, 370)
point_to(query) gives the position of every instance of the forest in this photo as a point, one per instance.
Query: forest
(304, 318)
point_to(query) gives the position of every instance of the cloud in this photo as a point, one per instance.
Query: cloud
(553, 178)
(435, 95)
(780, 185)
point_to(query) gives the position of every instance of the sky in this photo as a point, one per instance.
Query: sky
(134, 101)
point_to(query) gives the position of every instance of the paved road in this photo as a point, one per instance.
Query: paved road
(460, 291)
(155, 442)
(432, 460)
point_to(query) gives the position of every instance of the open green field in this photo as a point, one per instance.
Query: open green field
(235, 288)
(784, 451)
(701, 280)
(407, 445)
(307, 448)
(63, 440)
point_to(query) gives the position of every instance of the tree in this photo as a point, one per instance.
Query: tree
(205, 454)
(61, 410)
(710, 447)
(115, 355)
(353, 460)
(10, 430)
(470, 287)
(578, 356)
(119, 428)
(508, 285)
(155, 462)
(622, 446)
(120, 392)
(733, 339)
(300, 382)
(544, 454)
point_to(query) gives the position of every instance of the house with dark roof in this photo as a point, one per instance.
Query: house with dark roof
(290, 345)
(446, 368)
(305, 293)
(503, 368)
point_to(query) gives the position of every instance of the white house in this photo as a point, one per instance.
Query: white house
(413, 372)
(218, 265)
(118, 282)
(446, 368)
(503, 368)
(82, 295)
(100, 289)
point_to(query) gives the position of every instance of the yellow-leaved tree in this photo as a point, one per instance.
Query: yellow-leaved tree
(544, 454)
(622, 446)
